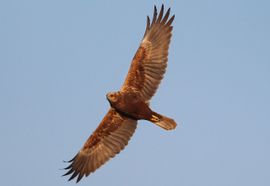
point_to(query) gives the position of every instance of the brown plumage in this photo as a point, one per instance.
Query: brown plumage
(131, 103)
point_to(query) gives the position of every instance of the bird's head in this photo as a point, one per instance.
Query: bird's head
(112, 97)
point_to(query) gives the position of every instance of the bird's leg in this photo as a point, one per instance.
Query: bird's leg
(154, 118)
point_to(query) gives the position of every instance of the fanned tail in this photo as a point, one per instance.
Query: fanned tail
(163, 121)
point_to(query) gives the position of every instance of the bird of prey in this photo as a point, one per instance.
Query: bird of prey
(131, 102)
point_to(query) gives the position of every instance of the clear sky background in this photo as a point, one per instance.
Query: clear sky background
(58, 59)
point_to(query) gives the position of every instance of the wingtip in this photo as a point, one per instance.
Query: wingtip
(67, 173)
(173, 17)
(68, 167)
(73, 176)
(160, 13)
(170, 21)
(169, 10)
(147, 23)
(79, 178)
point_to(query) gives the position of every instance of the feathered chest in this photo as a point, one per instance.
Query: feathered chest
(131, 105)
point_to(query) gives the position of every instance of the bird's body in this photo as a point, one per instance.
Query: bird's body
(131, 102)
(132, 105)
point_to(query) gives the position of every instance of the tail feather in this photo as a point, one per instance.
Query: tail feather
(163, 121)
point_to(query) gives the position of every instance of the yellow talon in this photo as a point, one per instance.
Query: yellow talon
(154, 118)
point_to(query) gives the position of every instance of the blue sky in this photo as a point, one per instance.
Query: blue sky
(59, 59)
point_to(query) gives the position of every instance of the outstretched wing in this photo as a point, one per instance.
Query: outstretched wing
(111, 136)
(150, 61)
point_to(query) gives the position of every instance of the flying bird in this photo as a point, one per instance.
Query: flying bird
(131, 102)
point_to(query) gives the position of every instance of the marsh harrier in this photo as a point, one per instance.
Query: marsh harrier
(131, 102)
